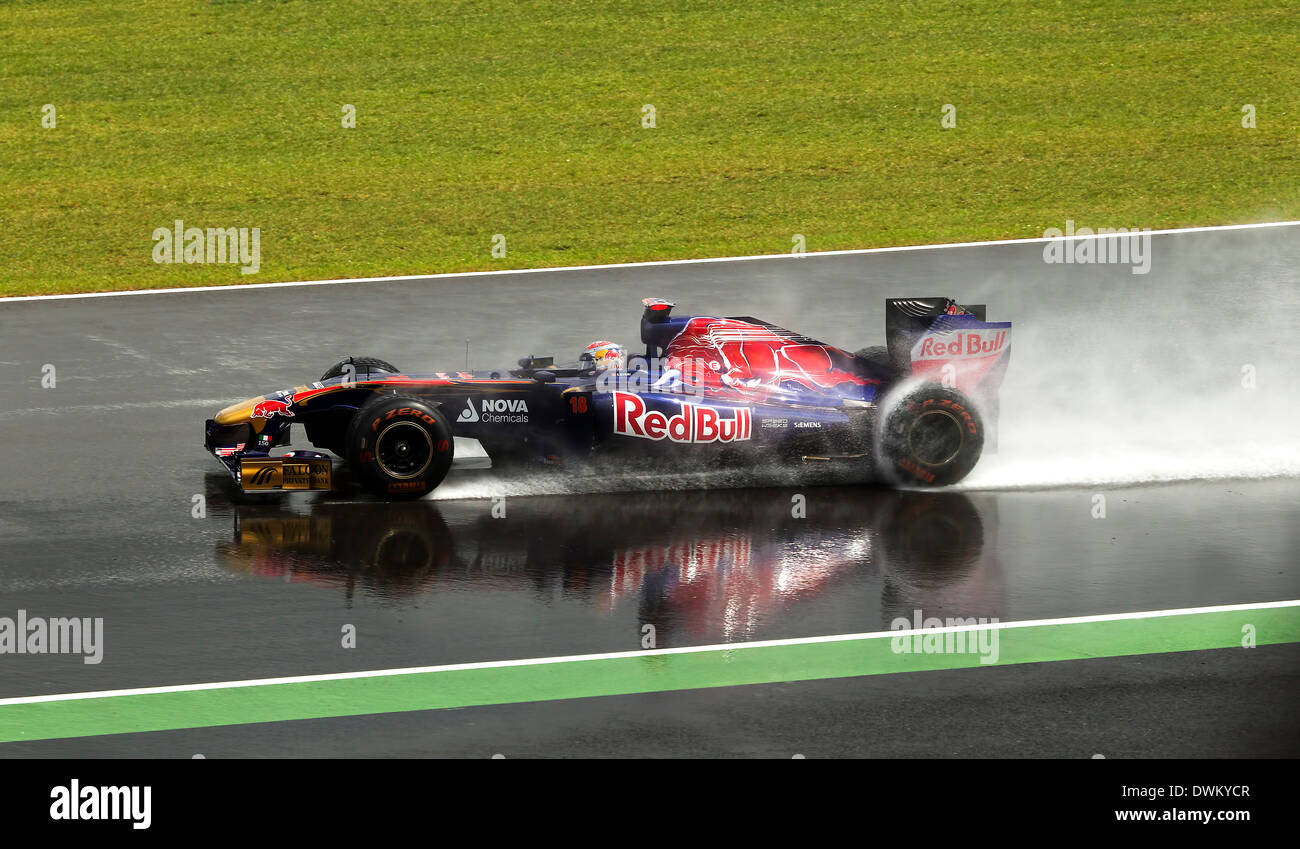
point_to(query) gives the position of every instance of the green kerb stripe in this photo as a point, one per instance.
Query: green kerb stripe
(570, 678)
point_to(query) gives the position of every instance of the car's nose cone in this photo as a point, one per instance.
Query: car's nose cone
(236, 413)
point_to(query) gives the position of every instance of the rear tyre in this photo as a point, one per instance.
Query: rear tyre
(400, 447)
(361, 367)
(929, 436)
(878, 356)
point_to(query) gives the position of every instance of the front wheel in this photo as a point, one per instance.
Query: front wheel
(400, 447)
(929, 436)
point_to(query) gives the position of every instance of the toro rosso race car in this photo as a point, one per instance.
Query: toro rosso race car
(918, 410)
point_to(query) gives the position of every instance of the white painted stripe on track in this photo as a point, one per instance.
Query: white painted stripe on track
(216, 287)
(754, 644)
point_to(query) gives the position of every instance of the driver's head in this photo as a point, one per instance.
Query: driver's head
(607, 355)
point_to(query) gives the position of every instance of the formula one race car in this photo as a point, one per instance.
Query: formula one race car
(915, 411)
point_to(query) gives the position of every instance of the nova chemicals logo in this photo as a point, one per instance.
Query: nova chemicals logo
(509, 410)
(695, 423)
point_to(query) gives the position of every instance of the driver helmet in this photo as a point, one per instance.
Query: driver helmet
(606, 355)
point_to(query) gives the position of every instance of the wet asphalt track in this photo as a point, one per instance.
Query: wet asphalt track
(96, 497)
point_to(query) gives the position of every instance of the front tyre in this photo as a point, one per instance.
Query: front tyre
(929, 436)
(400, 447)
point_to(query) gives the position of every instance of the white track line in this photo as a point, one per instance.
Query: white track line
(537, 661)
(648, 264)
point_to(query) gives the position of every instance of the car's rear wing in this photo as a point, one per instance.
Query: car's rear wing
(938, 339)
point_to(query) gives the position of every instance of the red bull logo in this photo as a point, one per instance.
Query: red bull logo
(269, 409)
(969, 343)
(694, 424)
(961, 358)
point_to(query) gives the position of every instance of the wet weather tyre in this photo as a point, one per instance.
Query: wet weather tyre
(362, 367)
(877, 355)
(929, 436)
(400, 447)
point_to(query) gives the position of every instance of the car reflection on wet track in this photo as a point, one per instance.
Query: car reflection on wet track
(708, 562)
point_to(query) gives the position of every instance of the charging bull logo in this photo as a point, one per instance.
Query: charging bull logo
(723, 354)
(694, 423)
(269, 409)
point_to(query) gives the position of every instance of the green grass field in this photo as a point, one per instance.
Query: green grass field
(524, 119)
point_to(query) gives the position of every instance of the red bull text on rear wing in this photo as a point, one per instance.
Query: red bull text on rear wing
(940, 340)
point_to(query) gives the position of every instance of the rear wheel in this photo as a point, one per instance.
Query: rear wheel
(400, 447)
(877, 355)
(929, 436)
